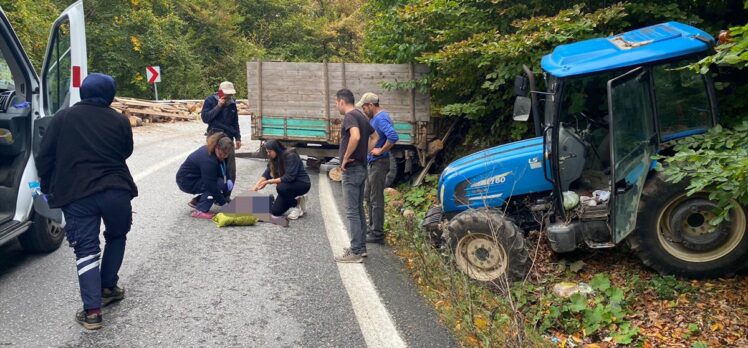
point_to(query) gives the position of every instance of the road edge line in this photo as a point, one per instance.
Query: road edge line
(375, 321)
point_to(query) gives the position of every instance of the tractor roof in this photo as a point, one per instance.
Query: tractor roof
(646, 45)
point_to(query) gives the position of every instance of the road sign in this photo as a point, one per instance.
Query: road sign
(153, 73)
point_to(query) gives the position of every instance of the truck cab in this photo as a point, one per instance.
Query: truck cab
(589, 178)
(27, 104)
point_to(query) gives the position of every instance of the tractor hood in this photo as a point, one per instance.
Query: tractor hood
(490, 177)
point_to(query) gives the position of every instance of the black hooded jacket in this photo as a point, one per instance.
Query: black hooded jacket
(85, 147)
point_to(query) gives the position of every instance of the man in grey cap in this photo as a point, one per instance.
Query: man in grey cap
(220, 113)
(379, 164)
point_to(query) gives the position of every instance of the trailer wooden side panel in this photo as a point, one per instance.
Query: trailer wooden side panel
(296, 101)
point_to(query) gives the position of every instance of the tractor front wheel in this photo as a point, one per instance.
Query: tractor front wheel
(488, 246)
(674, 234)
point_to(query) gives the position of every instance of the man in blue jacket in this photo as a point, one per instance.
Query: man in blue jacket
(379, 164)
(220, 114)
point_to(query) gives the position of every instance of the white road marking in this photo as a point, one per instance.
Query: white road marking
(152, 169)
(376, 324)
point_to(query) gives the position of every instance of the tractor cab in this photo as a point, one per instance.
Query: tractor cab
(610, 105)
(587, 179)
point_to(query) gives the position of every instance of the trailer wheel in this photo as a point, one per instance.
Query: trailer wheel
(488, 246)
(44, 236)
(673, 234)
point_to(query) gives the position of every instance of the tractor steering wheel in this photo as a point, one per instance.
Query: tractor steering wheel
(593, 121)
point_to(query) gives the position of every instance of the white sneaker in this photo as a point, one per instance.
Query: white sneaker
(295, 213)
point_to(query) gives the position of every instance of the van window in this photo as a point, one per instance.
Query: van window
(6, 77)
(57, 76)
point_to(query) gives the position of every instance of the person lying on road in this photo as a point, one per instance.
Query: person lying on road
(285, 170)
(204, 173)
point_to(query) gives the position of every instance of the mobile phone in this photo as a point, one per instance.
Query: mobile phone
(220, 94)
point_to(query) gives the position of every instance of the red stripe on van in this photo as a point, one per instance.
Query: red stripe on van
(76, 76)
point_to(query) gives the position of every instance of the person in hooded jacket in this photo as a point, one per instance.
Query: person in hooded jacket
(82, 167)
(205, 173)
(286, 171)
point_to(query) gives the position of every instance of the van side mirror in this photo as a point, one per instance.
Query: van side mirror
(522, 106)
(521, 86)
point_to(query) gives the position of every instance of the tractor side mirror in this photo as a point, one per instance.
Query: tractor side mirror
(521, 86)
(522, 106)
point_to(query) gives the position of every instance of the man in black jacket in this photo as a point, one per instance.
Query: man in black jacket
(82, 168)
(220, 113)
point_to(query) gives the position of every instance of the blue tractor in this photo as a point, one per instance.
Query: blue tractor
(588, 176)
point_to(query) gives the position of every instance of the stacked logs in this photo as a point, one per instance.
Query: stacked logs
(140, 111)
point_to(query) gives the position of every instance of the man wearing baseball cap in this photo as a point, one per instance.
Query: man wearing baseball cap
(379, 164)
(220, 113)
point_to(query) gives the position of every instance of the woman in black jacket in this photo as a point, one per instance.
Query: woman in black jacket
(285, 170)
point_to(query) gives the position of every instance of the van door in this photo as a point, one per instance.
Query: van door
(65, 66)
(633, 140)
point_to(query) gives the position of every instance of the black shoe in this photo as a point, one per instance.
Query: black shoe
(108, 296)
(193, 203)
(372, 238)
(89, 322)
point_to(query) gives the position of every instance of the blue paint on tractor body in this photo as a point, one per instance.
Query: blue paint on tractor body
(489, 177)
(637, 47)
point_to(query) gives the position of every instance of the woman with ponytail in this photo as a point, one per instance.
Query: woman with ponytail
(286, 171)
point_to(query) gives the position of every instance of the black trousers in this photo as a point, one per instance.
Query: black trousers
(83, 217)
(287, 193)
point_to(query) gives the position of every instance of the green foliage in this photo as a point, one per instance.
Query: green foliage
(476, 48)
(699, 344)
(602, 313)
(422, 197)
(734, 52)
(669, 287)
(716, 162)
(197, 43)
(31, 21)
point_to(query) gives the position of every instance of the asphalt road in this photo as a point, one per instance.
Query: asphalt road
(190, 283)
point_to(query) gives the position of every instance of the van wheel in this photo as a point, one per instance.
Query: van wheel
(44, 236)
(488, 246)
(674, 236)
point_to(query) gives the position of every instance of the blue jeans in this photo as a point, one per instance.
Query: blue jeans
(83, 222)
(354, 179)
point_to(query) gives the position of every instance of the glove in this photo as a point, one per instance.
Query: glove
(230, 185)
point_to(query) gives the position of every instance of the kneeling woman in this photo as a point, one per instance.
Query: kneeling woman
(285, 170)
(204, 174)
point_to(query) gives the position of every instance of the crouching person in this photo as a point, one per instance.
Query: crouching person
(286, 171)
(204, 173)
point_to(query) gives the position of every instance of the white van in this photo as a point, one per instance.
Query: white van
(27, 104)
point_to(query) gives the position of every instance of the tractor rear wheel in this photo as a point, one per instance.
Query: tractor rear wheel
(674, 234)
(488, 246)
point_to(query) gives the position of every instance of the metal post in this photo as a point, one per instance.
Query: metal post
(155, 89)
